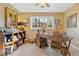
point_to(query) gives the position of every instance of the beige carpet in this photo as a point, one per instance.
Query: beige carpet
(33, 50)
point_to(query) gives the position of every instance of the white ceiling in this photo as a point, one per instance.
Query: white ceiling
(30, 7)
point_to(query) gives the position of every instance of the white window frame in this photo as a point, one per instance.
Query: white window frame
(42, 17)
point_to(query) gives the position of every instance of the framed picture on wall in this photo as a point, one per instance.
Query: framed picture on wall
(10, 18)
(72, 21)
(57, 24)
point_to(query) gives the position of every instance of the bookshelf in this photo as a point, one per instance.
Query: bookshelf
(18, 40)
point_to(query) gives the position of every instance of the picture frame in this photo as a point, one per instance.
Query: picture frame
(72, 21)
(11, 18)
(57, 24)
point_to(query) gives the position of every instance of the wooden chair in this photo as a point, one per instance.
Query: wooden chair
(37, 40)
(41, 42)
(59, 45)
(65, 49)
(56, 36)
(55, 44)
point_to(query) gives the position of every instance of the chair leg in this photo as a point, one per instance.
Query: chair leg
(61, 50)
(64, 52)
(69, 53)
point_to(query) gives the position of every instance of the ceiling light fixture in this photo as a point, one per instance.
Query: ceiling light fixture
(43, 4)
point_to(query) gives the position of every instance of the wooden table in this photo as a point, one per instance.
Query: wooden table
(61, 41)
(50, 37)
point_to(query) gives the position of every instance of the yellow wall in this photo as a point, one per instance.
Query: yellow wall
(31, 33)
(72, 10)
(24, 16)
(2, 12)
(73, 32)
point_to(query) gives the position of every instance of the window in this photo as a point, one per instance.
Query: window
(38, 21)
